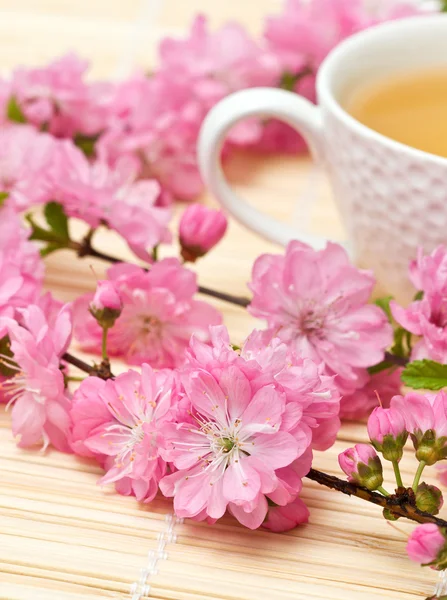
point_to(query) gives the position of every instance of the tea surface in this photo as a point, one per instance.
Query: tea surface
(410, 108)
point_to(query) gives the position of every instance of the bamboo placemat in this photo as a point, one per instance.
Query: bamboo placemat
(64, 538)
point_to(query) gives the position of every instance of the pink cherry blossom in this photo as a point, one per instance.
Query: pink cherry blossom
(118, 422)
(98, 194)
(26, 166)
(158, 120)
(56, 97)
(311, 396)
(40, 410)
(21, 269)
(228, 451)
(425, 544)
(200, 229)
(427, 317)
(156, 125)
(285, 518)
(305, 33)
(317, 303)
(310, 417)
(216, 64)
(159, 315)
(359, 403)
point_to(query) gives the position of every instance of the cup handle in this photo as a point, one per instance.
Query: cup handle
(301, 114)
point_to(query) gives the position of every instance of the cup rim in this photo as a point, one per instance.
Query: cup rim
(327, 99)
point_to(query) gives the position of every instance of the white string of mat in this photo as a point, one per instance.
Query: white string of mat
(142, 588)
(441, 586)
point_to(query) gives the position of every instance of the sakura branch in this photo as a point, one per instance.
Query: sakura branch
(399, 505)
(218, 425)
(101, 370)
(85, 248)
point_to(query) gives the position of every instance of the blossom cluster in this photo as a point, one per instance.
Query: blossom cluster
(216, 427)
(147, 126)
(230, 430)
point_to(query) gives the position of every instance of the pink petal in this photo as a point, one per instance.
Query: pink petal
(275, 451)
(28, 419)
(241, 482)
(192, 495)
(285, 518)
(206, 396)
(253, 519)
(103, 442)
(264, 411)
(236, 388)
(217, 503)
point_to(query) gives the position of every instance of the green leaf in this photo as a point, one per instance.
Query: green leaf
(443, 5)
(50, 248)
(14, 112)
(86, 143)
(418, 296)
(57, 220)
(3, 197)
(425, 374)
(384, 304)
(39, 233)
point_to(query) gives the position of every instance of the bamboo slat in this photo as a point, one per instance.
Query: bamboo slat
(64, 538)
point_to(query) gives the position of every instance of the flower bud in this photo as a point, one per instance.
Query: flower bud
(200, 229)
(362, 466)
(429, 498)
(426, 421)
(426, 545)
(428, 448)
(387, 432)
(106, 305)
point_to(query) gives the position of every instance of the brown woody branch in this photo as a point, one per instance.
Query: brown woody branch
(401, 504)
(102, 370)
(85, 248)
(400, 361)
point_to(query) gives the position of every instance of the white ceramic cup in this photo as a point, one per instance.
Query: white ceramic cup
(392, 198)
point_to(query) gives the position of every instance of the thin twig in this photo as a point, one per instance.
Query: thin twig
(77, 362)
(401, 504)
(102, 370)
(86, 249)
(237, 300)
(400, 361)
